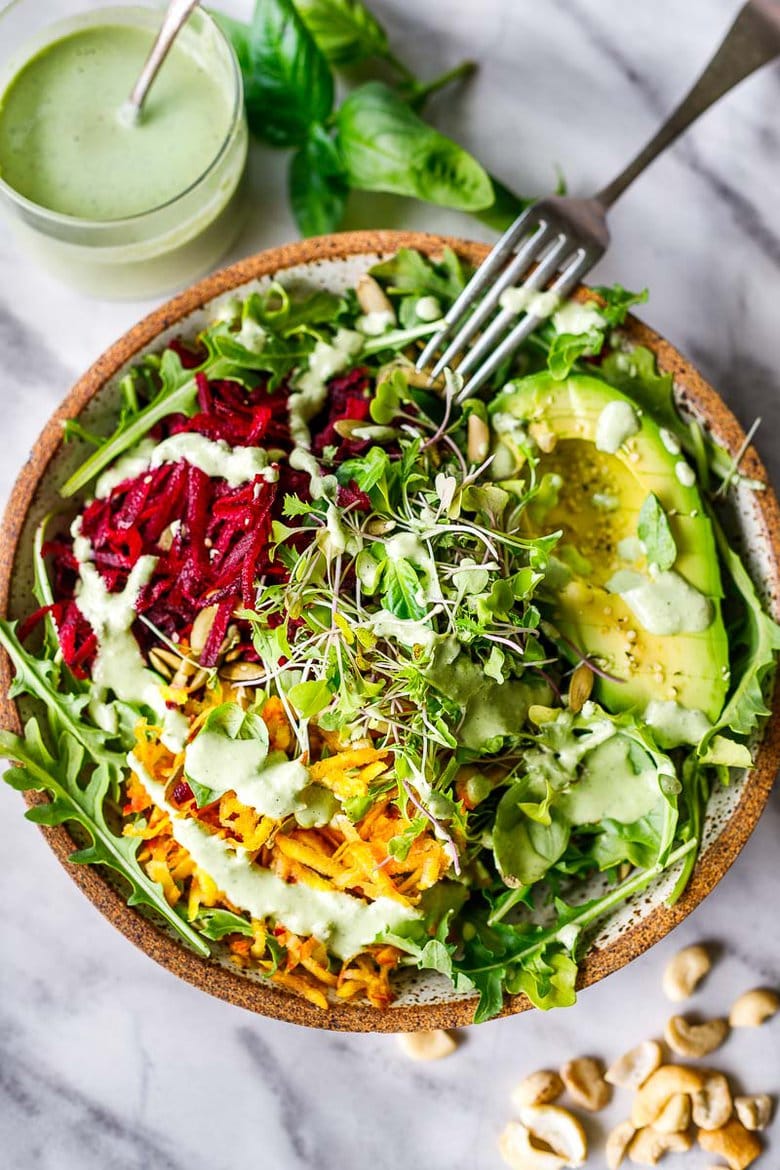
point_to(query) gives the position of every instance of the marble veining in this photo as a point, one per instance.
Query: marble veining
(108, 1062)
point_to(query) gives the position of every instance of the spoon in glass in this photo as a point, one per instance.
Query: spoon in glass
(173, 22)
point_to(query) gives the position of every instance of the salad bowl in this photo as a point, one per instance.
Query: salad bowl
(425, 999)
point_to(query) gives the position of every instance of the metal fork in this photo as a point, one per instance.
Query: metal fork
(557, 240)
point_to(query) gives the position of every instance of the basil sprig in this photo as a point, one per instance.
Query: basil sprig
(375, 140)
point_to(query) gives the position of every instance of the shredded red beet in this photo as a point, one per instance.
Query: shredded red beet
(210, 541)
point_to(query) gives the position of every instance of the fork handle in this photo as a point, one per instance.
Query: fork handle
(752, 41)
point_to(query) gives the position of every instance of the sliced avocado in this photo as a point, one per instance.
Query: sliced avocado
(596, 505)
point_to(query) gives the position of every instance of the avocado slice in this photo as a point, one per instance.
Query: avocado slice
(595, 501)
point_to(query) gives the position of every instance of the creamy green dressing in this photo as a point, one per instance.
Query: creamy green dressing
(344, 923)
(663, 603)
(272, 785)
(617, 422)
(308, 399)
(673, 725)
(407, 631)
(216, 458)
(64, 145)
(527, 300)
(576, 317)
(376, 323)
(609, 788)
(119, 664)
(685, 473)
(630, 549)
(428, 309)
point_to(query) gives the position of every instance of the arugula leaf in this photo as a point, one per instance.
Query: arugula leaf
(617, 301)
(495, 957)
(547, 978)
(177, 394)
(567, 348)
(39, 678)
(760, 640)
(318, 184)
(345, 30)
(214, 923)
(288, 85)
(408, 271)
(37, 769)
(386, 147)
(655, 534)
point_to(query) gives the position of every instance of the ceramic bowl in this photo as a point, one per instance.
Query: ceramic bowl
(426, 1000)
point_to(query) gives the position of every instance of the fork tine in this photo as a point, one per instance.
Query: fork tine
(522, 260)
(535, 283)
(581, 261)
(525, 223)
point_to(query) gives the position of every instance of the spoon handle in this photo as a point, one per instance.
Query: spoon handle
(176, 15)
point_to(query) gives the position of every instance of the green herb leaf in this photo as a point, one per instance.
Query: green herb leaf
(526, 847)
(345, 30)
(386, 147)
(401, 593)
(215, 924)
(408, 271)
(655, 534)
(288, 85)
(318, 185)
(309, 698)
(759, 639)
(75, 800)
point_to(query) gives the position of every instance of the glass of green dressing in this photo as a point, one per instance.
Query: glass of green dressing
(119, 210)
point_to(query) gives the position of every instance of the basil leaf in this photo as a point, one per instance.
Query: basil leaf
(345, 30)
(655, 534)
(525, 849)
(215, 924)
(386, 147)
(318, 186)
(288, 85)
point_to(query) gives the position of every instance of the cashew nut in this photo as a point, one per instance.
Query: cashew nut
(428, 1045)
(631, 1070)
(558, 1129)
(684, 972)
(695, 1040)
(753, 1008)
(618, 1141)
(540, 1088)
(584, 1078)
(649, 1146)
(519, 1152)
(477, 439)
(754, 1112)
(675, 1117)
(712, 1105)
(667, 1080)
(371, 297)
(733, 1142)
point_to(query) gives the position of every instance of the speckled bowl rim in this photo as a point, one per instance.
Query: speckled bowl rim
(261, 997)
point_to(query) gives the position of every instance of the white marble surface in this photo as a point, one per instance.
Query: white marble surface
(109, 1063)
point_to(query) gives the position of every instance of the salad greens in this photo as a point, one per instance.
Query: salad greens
(376, 139)
(405, 602)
